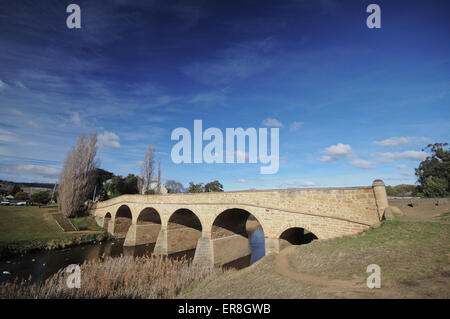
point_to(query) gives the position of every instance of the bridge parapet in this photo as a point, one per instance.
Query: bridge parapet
(358, 204)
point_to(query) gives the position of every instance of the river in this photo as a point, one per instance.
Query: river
(42, 264)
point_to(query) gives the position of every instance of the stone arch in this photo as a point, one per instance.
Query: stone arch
(148, 215)
(316, 230)
(231, 221)
(296, 236)
(122, 220)
(230, 235)
(258, 213)
(184, 217)
(184, 229)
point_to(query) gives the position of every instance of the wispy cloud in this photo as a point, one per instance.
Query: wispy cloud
(395, 141)
(75, 119)
(406, 155)
(37, 171)
(272, 122)
(297, 184)
(295, 126)
(3, 85)
(236, 62)
(360, 163)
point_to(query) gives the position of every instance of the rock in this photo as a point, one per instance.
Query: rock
(413, 203)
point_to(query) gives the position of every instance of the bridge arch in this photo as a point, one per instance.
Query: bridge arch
(184, 229)
(296, 236)
(122, 220)
(230, 234)
(231, 221)
(148, 215)
(184, 217)
(296, 225)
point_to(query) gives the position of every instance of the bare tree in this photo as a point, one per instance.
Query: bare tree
(76, 180)
(147, 168)
(159, 177)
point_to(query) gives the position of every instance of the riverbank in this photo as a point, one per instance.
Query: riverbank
(30, 228)
(124, 277)
(414, 258)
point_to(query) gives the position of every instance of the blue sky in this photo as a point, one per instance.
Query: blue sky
(353, 104)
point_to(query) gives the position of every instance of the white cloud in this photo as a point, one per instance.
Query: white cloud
(21, 85)
(108, 139)
(272, 122)
(402, 166)
(336, 152)
(328, 159)
(360, 163)
(29, 169)
(241, 180)
(7, 137)
(24, 117)
(296, 126)
(75, 119)
(3, 85)
(407, 155)
(297, 184)
(395, 141)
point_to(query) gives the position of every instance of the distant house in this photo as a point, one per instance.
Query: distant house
(157, 188)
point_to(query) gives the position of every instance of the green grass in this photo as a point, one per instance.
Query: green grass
(413, 256)
(85, 223)
(394, 231)
(29, 227)
(405, 250)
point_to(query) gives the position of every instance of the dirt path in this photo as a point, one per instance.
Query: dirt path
(282, 267)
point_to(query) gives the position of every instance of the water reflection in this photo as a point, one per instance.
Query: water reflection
(42, 264)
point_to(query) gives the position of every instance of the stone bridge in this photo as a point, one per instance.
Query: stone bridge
(215, 223)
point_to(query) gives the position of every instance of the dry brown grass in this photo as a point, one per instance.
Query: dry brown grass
(121, 277)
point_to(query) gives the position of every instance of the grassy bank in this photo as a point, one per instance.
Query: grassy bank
(413, 256)
(25, 228)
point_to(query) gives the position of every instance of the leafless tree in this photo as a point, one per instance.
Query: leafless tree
(76, 180)
(147, 168)
(159, 177)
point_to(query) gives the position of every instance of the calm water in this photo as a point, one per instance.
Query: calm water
(41, 265)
